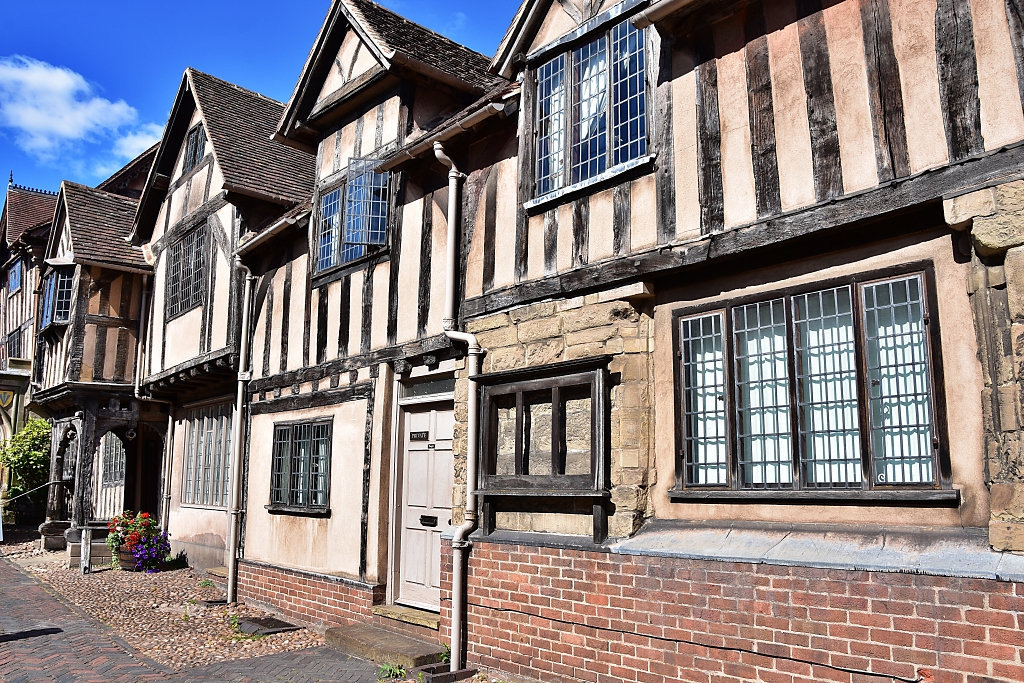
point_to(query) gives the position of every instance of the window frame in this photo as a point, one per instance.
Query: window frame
(291, 507)
(367, 249)
(570, 116)
(193, 462)
(176, 256)
(194, 152)
(13, 340)
(49, 300)
(938, 492)
(15, 267)
(546, 492)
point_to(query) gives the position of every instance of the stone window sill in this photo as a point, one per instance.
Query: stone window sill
(297, 511)
(906, 498)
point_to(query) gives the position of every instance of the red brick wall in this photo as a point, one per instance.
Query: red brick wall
(555, 615)
(308, 598)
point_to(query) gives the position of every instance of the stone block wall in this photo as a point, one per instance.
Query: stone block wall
(617, 323)
(991, 222)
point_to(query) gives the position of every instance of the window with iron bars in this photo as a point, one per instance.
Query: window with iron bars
(818, 389)
(14, 344)
(591, 109)
(301, 465)
(185, 273)
(195, 148)
(14, 277)
(353, 218)
(207, 466)
(57, 297)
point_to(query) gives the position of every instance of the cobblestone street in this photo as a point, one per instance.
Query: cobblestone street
(44, 639)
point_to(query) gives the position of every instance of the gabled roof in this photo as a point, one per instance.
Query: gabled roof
(25, 209)
(395, 42)
(239, 125)
(121, 180)
(99, 222)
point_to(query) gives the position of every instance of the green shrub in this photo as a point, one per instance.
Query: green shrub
(27, 455)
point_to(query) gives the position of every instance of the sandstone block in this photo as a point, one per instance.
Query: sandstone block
(569, 304)
(1007, 500)
(628, 498)
(1006, 535)
(503, 336)
(596, 334)
(1013, 268)
(623, 523)
(1003, 228)
(959, 211)
(612, 346)
(507, 358)
(629, 457)
(599, 315)
(637, 290)
(544, 352)
(542, 328)
(490, 322)
(544, 309)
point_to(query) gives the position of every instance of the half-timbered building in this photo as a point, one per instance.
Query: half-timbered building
(351, 403)
(106, 444)
(218, 178)
(747, 289)
(24, 227)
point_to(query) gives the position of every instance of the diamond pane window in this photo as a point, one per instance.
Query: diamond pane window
(57, 297)
(346, 232)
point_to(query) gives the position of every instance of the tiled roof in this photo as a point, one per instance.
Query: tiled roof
(239, 124)
(100, 222)
(398, 33)
(25, 209)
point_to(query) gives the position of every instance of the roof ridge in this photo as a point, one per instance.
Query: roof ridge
(112, 195)
(16, 186)
(235, 86)
(419, 25)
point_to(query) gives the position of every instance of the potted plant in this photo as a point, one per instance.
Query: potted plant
(137, 542)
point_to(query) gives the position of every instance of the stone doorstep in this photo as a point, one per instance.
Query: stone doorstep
(382, 646)
(409, 615)
(218, 572)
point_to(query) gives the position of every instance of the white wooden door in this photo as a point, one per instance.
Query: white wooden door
(426, 513)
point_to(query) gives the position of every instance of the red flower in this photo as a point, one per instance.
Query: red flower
(144, 515)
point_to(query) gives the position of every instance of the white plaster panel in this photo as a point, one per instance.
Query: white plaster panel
(1002, 120)
(505, 223)
(734, 117)
(381, 298)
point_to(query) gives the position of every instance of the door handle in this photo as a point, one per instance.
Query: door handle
(428, 520)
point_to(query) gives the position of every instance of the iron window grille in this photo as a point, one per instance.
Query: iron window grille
(544, 436)
(353, 218)
(300, 469)
(207, 470)
(591, 104)
(113, 461)
(14, 277)
(14, 344)
(195, 148)
(823, 389)
(57, 297)
(185, 273)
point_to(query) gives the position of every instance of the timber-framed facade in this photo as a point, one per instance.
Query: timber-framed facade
(678, 340)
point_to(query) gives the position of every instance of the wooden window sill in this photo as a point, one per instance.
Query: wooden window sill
(543, 493)
(297, 511)
(907, 498)
(588, 186)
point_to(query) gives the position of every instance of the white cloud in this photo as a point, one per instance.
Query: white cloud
(53, 111)
(134, 143)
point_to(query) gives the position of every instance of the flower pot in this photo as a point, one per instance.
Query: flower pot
(125, 559)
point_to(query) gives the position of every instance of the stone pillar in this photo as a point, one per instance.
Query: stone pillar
(992, 225)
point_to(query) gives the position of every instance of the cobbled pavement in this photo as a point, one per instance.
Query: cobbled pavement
(42, 638)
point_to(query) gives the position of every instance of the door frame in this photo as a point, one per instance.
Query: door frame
(401, 406)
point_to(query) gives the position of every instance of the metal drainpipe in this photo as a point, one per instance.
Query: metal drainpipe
(460, 544)
(236, 438)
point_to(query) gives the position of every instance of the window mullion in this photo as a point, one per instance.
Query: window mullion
(571, 120)
(731, 424)
(796, 450)
(863, 392)
(519, 434)
(557, 458)
(609, 124)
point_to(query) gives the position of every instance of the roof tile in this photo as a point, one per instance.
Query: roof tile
(26, 209)
(100, 223)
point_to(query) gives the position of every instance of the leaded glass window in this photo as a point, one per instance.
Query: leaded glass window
(14, 277)
(300, 467)
(57, 297)
(774, 394)
(353, 218)
(207, 466)
(597, 93)
(185, 270)
(195, 148)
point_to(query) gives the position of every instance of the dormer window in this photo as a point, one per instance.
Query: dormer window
(346, 230)
(591, 105)
(195, 148)
(14, 277)
(57, 297)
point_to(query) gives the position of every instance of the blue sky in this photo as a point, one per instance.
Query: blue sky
(84, 86)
